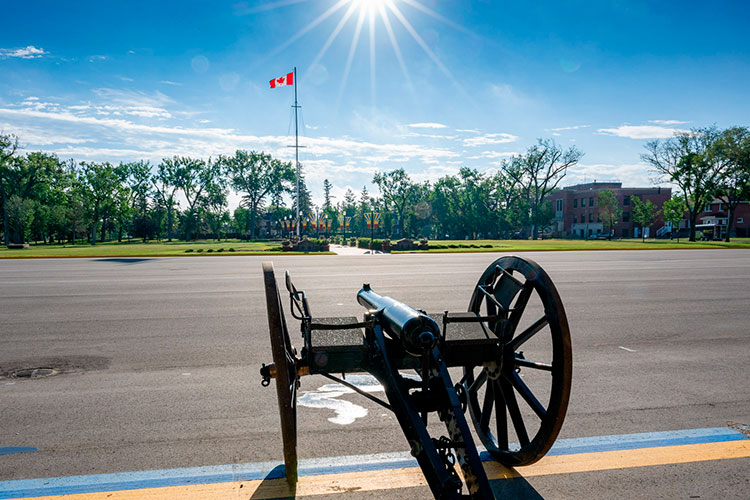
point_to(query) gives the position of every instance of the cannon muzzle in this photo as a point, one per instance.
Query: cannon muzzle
(417, 332)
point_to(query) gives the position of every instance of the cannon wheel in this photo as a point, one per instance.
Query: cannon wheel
(505, 289)
(285, 362)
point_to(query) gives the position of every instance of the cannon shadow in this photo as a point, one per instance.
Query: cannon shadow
(514, 487)
(275, 486)
(510, 483)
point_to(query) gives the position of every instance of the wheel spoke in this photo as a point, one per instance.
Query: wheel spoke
(519, 308)
(484, 420)
(527, 395)
(528, 333)
(501, 418)
(481, 379)
(532, 364)
(515, 413)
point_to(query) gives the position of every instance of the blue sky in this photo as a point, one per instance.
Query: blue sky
(430, 86)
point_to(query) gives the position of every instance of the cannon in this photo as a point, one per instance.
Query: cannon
(505, 364)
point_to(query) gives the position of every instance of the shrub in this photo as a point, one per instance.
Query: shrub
(189, 250)
(200, 250)
(210, 250)
(220, 250)
(231, 249)
(363, 242)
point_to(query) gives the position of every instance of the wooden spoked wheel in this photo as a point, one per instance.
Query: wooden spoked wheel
(518, 402)
(285, 363)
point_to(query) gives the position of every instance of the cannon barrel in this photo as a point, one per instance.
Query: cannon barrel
(417, 332)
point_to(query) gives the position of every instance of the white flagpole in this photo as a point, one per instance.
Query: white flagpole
(296, 148)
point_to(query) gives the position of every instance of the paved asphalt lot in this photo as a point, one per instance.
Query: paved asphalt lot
(160, 357)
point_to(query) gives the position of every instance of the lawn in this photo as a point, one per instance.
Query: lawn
(151, 249)
(558, 245)
(236, 247)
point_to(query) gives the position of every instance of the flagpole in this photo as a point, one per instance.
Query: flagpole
(296, 145)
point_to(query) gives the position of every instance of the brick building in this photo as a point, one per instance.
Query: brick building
(712, 222)
(577, 214)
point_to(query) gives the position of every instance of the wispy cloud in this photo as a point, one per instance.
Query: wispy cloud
(28, 52)
(640, 131)
(113, 135)
(492, 155)
(468, 130)
(427, 125)
(667, 122)
(484, 139)
(169, 82)
(429, 136)
(573, 127)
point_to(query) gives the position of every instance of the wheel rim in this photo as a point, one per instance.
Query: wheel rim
(530, 379)
(285, 362)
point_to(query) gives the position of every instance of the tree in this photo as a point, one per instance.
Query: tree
(100, 183)
(538, 172)
(166, 185)
(31, 178)
(397, 191)
(215, 210)
(609, 209)
(8, 148)
(256, 175)
(674, 210)
(462, 204)
(327, 186)
(305, 198)
(732, 148)
(196, 178)
(20, 215)
(644, 214)
(687, 160)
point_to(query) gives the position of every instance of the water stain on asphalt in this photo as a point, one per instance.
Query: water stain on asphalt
(45, 367)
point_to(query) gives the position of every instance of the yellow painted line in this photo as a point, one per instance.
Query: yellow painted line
(625, 459)
(389, 479)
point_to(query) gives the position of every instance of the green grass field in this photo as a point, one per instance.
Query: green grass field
(151, 249)
(562, 245)
(223, 248)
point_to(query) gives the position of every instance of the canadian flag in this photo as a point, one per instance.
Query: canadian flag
(283, 81)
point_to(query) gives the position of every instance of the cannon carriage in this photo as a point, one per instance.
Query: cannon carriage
(505, 364)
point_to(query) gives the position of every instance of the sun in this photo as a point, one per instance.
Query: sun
(374, 17)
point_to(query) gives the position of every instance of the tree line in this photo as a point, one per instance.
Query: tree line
(704, 163)
(46, 199)
(43, 198)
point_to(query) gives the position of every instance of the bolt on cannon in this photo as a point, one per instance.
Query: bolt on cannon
(511, 349)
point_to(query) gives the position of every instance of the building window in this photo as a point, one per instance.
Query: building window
(583, 202)
(740, 220)
(575, 219)
(598, 218)
(626, 216)
(591, 231)
(591, 217)
(626, 200)
(591, 201)
(575, 202)
(559, 205)
(626, 233)
(707, 208)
